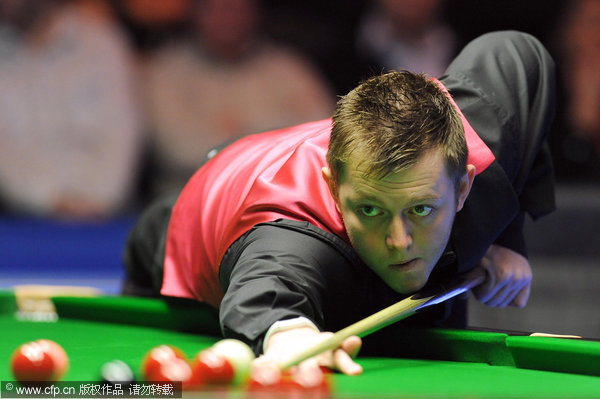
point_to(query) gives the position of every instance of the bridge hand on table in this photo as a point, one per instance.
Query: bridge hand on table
(284, 344)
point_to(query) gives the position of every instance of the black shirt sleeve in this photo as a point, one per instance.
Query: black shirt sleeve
(279, 271)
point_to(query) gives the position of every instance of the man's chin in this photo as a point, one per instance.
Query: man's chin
(407, 278)
(408, 288)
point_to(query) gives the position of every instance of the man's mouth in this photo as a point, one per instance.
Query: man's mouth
(404, 265)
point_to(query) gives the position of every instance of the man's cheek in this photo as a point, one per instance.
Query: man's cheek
(367, 245)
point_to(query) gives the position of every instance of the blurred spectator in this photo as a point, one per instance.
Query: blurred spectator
(407, 34)
(69, 127)
(227, 80)
(580, 71)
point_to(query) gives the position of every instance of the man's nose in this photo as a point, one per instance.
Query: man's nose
(399, 237)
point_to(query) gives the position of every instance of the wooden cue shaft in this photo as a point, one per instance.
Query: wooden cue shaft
(389, 315)
(366, 326)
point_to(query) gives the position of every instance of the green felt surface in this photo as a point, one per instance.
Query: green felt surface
(384, 378)
(473, 364)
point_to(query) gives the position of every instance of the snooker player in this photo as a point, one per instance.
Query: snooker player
(298, 232)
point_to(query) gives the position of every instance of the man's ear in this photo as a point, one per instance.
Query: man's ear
(328, 177)
(465, 184)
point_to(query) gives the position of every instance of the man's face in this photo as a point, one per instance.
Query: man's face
(400, 224)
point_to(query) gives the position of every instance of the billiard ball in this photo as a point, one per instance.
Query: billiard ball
(156, 357)
(210, 367)
(58, 355)
(30, 363)
(174, 370)
(238, 354)
(41, 360)
(117, 371)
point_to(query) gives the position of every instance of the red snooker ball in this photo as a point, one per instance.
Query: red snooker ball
(238, 354)
(174, 370)
(210, 367)
(41, 360)
(58, 355)
(156, 357)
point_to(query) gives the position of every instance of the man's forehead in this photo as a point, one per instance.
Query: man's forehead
(424, 184)
(361, 166)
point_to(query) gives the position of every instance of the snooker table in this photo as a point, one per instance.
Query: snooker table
(438, 362)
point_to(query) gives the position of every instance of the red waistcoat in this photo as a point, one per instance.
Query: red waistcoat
(259, 178)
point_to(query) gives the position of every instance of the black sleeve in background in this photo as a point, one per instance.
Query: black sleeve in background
(279, 271)
(512, 236)
(504, 84)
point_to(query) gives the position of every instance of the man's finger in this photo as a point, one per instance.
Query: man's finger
(352, 345)
(515, 294)
(265, 370)
(504, 296)
(522, 297)
(308, 373)
(344, 363)
(487, 292)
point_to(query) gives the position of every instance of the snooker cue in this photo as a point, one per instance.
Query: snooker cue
(396, 312)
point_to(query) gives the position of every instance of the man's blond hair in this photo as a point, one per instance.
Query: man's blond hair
(390, 120)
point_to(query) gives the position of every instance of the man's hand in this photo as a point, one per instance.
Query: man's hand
(282, 345)
(508, 278)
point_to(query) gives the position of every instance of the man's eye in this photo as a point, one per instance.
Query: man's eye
(422, 210)
(370, 211)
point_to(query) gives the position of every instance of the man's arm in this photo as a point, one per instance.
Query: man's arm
(275, 274)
